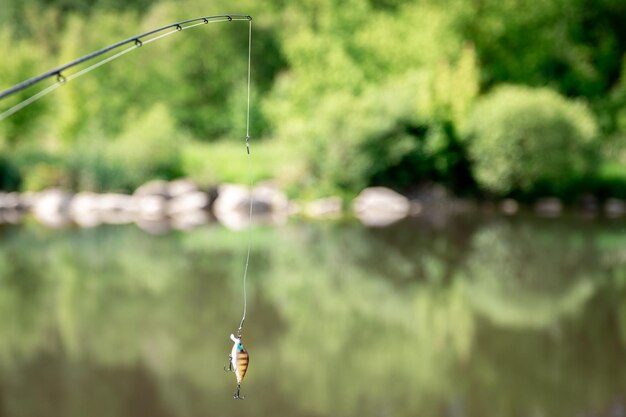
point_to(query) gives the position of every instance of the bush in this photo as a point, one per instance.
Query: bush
(351, 138)
(521, 139)
(396, 133)
(361, 83)
(149, 147)
(34, 169)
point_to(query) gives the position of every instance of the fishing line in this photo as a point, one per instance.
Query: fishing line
(245, 271)
(135, 41)
(238, 360)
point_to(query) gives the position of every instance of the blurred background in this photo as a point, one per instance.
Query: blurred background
(500, 290)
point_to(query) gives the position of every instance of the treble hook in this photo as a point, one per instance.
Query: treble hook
(230, 364)
(237, 396)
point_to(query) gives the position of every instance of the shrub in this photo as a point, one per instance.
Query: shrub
(522, 138)
(148, 148)
(351, 138)
(361, 82)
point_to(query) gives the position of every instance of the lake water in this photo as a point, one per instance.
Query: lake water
(480, 316)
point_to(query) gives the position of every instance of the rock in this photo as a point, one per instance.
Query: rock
(589, 203)
(330, 207)
(151, 207)
(84, 209)
(380, 206)
(431, 194)
(509, 206)
(181, 186)
(10, 201)
(11, 208)
(231, 208)
(89, 209)
(155, 227)
(12, 216)
(231, 199)
(154, 187)
(548, 207)
(117, 208)
(188, 202)
(51, 207)
(190, 219)
(415, 208)
(189, 210)
(27, 200)
(614, 207)
(270, 196)
(294, 208)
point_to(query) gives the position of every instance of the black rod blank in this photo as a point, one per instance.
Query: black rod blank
(136, 40)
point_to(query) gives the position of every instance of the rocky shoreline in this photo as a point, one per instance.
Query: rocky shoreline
(159, 206)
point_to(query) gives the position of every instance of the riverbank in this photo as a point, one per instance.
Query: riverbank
(158, 206)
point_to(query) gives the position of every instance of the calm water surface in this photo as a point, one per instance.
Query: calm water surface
(480, 317)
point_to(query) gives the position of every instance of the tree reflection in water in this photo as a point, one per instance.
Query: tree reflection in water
(490, 317)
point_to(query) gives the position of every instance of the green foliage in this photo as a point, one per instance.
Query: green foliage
(520, 137)
(148, 147)
(573, 45)
(38, 169)
(443, 103)
(21, 58)
(9, 174)
(359, 92)
(226, 161)
(356, 99)
(346, 46)
(352, 138)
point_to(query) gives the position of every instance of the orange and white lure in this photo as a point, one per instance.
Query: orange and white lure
(238, 363)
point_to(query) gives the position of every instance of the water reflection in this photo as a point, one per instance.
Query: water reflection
(489, 317)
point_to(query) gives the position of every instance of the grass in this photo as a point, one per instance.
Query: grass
(226, 161)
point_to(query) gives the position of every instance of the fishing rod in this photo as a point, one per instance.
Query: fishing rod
(135, 42)
(239, 358)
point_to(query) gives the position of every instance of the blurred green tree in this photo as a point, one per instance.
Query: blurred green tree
(520, 138)
(363, 85)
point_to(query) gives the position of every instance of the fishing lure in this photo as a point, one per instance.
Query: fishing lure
(238, 363)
